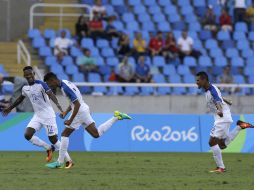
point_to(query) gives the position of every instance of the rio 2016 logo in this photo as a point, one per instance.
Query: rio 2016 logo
(166, 134)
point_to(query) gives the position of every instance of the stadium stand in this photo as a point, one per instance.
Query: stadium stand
(218, 50)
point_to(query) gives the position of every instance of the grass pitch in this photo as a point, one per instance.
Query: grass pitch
(126, 171)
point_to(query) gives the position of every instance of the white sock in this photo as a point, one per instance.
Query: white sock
(38, 142)
(217, 156)
(232, 135)
(106, 126)
(57, 147)
(63, 149)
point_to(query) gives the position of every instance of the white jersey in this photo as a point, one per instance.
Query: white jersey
(213, 95)
(39, 99)
(72, 92)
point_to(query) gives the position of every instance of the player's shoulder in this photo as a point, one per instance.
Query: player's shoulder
(39, 82)
(26, 88)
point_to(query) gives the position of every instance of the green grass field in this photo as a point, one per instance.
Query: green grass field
(126, 171)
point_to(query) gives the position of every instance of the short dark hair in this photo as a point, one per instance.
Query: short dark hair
(27, 68)
(49, 76)
(203, 75)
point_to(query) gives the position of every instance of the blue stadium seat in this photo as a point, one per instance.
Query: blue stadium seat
(220, 61)
(177, 90)
(247, 53)
(190, 61)
(100, 90)
(243, 45)
(223, 35)
(150, 2)
(118, 25)
(237, 61)
(215, 52)
(159, 61)
(128, 17)
(199, 3)
(201, 11)
(164, 26)
(186, 10)
(110, 9)
(146, 90)
(57, 69)
(163, 90)
(154, 10)
(62, 76)
(232, 52)
(211, 44)
(239, 79)
(248, 70)
(50, 60)
(241, 27)
(183, 3)
(102, 43)
(67, 61)
(115, 90)
(112, 61)
(52, 43)
(169, 70)
(239, 35)
(204, 61)
(170, 10)
(179, 26)
(157, 18)
(38, 42)
(194, 26)
(68, 33)
(144, 17)
(94, 77)
(131, 90)
(250, 61)
(78, 77)
(95, 52)
(217, 70)
(189, 79)
(139, 9)
(132, 26)
(117, 2)
(190, 18)
(45, 51)
(174, 18)
(164, 3)
(71, 70)
(87, 43)
(228, 44)
(251, 79)
(205, 35)
(159, 78)
(105, 70)
(251, 36)
(99, 61)
(49, 33)
(107, 52)
(183, 70)
(121, 9)
(75, 52)
(148, 26)
(134, 2)
(34, 33)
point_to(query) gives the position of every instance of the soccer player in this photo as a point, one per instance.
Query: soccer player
(220, 137)
(39, 93)
(80, 115)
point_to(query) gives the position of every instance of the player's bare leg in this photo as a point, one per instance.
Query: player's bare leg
(214, 144)
(29, 135)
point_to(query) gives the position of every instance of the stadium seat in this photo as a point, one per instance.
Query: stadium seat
(71, 70)
(232, 52)
(194, 26)
(251, 36)
(204, 61)
(132, 26)
(38, 42)
(131, 90)
(148, 26)
(183, 3)
(186, 10)
(248, 70)
(169, 70)
(183, 70)
(34, 33)
(243, 45)
(199, 3)
(115, 90)
(94, 52)
(143, 17)
(102, 43)
(158, 61)
(237, 61)
(139, 9)
(87, 43)
(239, 79)
(75, 52)
(128, 17)
(158, 18)
(211, 44)
(190, 61)
(177, 90)
(239, 35)
(154, 10)
(247, 53)
(179, 26)
(94, 77)
(170, 10)
(118, 25)
(134, 2)
(205, 35)
(228, 44)
(112, 61)
(150, 2)
(50, 60)
(159, 78)
(215, 52)
(220, 61)
(146, 90)
(241, 27)
(223, 35)
(7, 89)
(45, 51)
(67, 61)
(99, 61)
(117, 2)
(107, 52)
(49, 33)
(57, 69)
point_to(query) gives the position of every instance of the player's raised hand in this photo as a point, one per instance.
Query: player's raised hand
(6, 111)
(67, 122)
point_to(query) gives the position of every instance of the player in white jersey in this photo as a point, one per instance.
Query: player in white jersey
(220, 137)
(39, 93)
(80, 115)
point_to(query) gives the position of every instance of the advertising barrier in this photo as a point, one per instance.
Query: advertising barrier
(144, 133)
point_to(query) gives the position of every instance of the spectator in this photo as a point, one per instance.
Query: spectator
(170, 50)
(96, 28)
(185, 44)
(225, 21)
(112, 76)
(250, 14)
(125, 71)
(143, 71)
(87, 63)
(81, 28)
(239, 11)
(227, 78)
(156, 44)
(124, 45)
(99, 9)
(18, 83)
(139, 45)
(62, 45)
(110, 29)
(209, 21)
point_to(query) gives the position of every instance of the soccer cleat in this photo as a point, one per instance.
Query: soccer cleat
(218, 170)
(244, 125)
(121, 115)
(69, 164)
(50, 153)
(54, 165)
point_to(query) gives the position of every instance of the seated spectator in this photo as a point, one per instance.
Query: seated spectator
(110, 29)
(143, 71)
(112, 76)
(156, 44)
(62, 45)
(250, 14)
(139, 45)
(87, 63)
(96, 28)
(99, 9)
(239, 11)
(185, 44)
(227, 78)
(170, 50)
(225, 21)
(81, 28)
(125, 71)
(209, 21)
(124, 45)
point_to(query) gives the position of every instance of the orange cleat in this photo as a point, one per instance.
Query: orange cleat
(244, 125)
(218, 170)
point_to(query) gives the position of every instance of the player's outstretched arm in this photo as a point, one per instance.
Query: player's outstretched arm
(16, 103)
(74, 113)
(54, 99)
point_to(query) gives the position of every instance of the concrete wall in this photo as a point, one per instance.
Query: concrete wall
(14, 18)
(160, 104)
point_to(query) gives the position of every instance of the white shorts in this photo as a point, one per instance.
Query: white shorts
(83, 117)
(49, 125)
(220, 130)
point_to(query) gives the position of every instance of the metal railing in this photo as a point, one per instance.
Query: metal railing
(23, 53)
(59, 14)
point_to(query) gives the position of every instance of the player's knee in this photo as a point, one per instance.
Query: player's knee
(28, 136)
